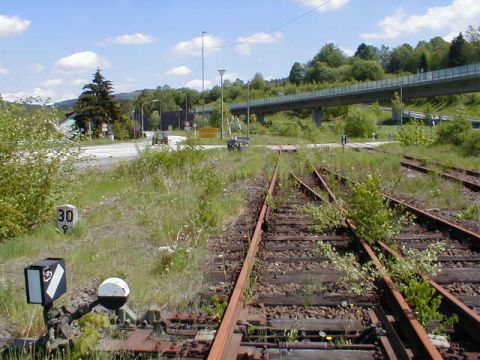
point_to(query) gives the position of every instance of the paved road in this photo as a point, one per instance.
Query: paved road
(103, 156)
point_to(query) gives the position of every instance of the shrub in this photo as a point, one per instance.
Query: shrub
(325, 217)
(360, 123)
(454, 131)
(414, 133)
(471, 143)
(37, 168)
(374, 219)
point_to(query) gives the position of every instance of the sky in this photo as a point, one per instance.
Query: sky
(50, 48)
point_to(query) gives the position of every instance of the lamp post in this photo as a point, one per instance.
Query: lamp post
(133, 124)
(147, 102)
(221, 72)
(203, 80)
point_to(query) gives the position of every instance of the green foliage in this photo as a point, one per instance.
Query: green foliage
(154, 120)
(173, 260)
(415, 133)
(217, 307)
(472, 212)
(37, 168)
(374, 219)
(97, 104)
(331, 55)
(363, 70)
(454, 131)
(326, 217)
(360, 123)
(457, 55)
(91, 324)
(360, 277)
(297, 74)
(397, 105)
(216, 118)
(471, 143)
(367, 52)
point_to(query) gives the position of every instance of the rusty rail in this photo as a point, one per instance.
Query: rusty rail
(415, 332)
(470, 320)
(223, 339)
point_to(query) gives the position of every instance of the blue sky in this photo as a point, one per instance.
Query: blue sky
(50, 48)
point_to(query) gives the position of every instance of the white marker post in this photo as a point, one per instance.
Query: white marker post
(67, 218)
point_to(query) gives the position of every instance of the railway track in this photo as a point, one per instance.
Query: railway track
(287, 304)
(469, 178)
(459, 281)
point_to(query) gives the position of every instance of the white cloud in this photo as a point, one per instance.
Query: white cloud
(3, 70)
(329, 6)
(193, 47)
(227, 76)
(179, 71)
(451, 19)
(53, 82)
(13, 25)
(82, 61)
(37, 67)
(47, 96)
(131, 39)
(246, 43)
(197, 84)
(79, 82)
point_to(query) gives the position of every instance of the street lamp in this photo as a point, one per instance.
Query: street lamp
(221, 72)
(147, 102)
(203, 80)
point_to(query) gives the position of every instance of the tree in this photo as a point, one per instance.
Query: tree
(367, 52)
(154, 120)
(363, 70)
(97, 104)
(457, 54)
(360, 123)
(402, 59)
(216, 118)
(258, 82)
(297, 74)
(331, 55)
(423, 62)
(320, 72)
(397, 107)
(384, 56)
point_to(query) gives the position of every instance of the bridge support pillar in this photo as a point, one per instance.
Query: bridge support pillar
(317, 116)
(261, 118)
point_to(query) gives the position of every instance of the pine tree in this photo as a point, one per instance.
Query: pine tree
(457, 55)
(423, 62)
(97, 104)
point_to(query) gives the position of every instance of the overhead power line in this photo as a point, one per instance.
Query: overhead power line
(288, 22)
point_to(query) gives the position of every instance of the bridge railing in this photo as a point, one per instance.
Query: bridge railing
(391, 83)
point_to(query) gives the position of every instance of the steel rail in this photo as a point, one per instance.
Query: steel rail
(223, 339)
(470, 172)
(468, 184)
(415, 332)
(470, 320)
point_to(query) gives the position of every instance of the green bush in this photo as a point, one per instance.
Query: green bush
(326, 217)
(37, 168)
(415, 133)
(471, 143)
(360, 123)
(371, 213)
(454, 131)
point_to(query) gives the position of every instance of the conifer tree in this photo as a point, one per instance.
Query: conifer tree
(97, 104)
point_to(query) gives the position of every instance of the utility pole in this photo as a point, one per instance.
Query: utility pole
(203, 80)
(186, 108)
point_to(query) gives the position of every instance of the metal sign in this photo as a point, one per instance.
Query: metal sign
(45, 281)
(343, 139)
